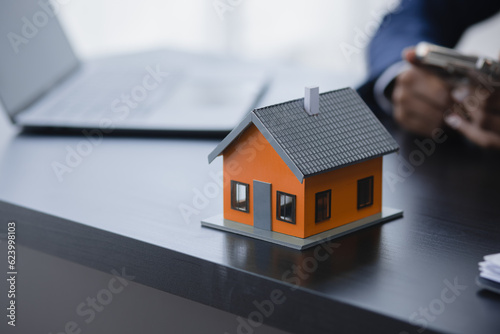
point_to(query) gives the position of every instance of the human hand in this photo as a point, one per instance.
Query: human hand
(420, 98)
(482, 106)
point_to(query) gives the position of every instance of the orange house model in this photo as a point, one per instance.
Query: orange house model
(304, 171)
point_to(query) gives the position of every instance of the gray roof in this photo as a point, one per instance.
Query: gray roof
(344, 132)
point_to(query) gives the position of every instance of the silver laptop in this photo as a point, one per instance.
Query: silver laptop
(43, 85)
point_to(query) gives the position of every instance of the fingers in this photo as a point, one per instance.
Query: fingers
(492, 103)
(479, 106)
(410, 55)
(483, 128)
(419, 101)
(474, 133)
(485, 119)
(426, 86)
(415, 114)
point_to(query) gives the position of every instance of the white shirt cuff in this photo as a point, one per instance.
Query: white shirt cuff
(384, 80)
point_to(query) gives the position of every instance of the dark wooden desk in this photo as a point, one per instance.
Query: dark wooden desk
(392, 278)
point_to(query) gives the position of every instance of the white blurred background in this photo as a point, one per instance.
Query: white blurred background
(304, 33)
(297, 32)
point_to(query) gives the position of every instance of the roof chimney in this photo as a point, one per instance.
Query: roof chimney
(311, 100)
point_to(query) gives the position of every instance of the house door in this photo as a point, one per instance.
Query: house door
(262, 205)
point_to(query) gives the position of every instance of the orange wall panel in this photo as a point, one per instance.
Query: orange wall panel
(343, 183)
(251, 157)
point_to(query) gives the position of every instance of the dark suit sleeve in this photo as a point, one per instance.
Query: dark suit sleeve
(436, 21)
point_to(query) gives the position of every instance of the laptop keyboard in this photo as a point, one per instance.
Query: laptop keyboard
(113, 95)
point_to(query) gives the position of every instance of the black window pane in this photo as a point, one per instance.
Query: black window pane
(286, 207)
(239, 196)
(323, 206)
(365, 192)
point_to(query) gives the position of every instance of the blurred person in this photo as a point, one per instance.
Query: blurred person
(417, 99)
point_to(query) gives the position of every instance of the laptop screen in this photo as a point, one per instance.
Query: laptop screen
(34, 51)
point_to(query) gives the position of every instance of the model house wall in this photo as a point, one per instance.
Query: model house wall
(343, 184)
(251, 158)
(303, 171)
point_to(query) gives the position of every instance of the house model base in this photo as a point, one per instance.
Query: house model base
(218, 222)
